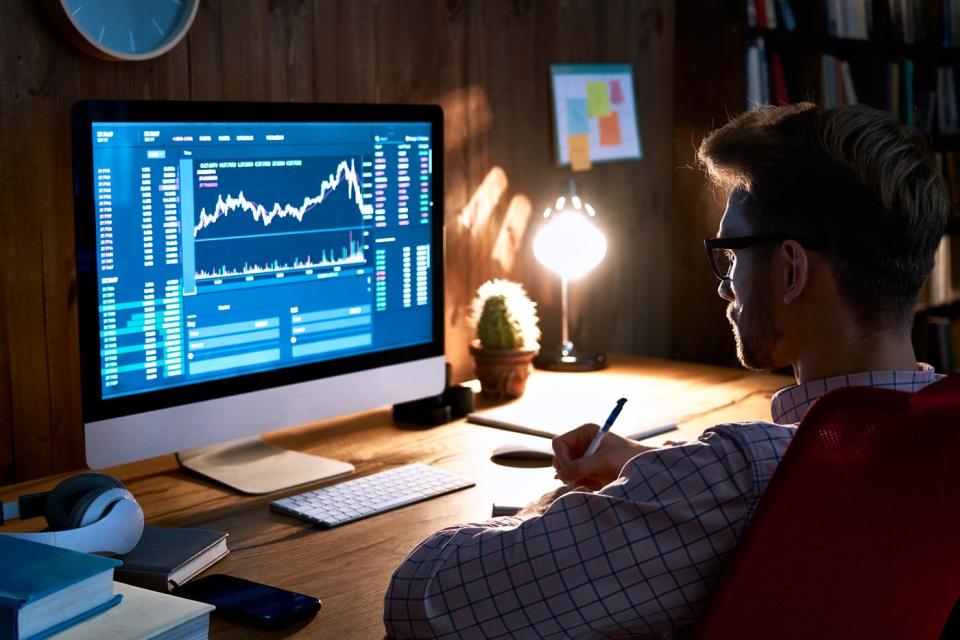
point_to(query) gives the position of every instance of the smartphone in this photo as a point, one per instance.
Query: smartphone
(250, 602)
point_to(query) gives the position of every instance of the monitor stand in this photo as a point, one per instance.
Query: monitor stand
(251, 465)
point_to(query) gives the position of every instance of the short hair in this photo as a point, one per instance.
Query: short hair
(854, 179)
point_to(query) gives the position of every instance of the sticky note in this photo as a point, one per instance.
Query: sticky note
(616, 93)
(598, 99)
(610, 130)
(577, 119)
(579, 146)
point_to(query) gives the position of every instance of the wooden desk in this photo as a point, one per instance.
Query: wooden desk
(350, 566)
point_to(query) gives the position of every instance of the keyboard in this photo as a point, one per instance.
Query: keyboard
(378, 492)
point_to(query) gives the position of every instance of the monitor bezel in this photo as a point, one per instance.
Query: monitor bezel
(85, 113)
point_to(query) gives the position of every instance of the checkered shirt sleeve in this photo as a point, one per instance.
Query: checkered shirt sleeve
(639, 556)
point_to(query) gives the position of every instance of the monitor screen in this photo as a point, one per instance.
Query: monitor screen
(226, 248)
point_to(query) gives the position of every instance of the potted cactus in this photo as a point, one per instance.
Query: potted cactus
(507, 337)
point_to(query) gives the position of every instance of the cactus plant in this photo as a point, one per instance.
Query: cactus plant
(504, 316)
(505, 322)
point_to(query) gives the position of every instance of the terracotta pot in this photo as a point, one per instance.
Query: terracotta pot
(502, 373)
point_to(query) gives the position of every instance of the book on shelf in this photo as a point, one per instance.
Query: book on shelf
(142, 615)
(44, 589)
(850, 19)
(769, 14)
(167, 557)
(837, 81)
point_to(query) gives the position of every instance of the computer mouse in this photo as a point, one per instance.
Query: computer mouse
(514, 455)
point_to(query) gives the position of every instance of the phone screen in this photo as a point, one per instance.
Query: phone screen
(249, 601)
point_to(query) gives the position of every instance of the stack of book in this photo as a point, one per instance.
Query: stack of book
(48, 592)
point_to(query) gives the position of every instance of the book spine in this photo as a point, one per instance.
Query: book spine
(908, 90)
(941, 287)
(951, 101)
(828, 81)
(764, 72)
(789, 18)
(895, 90)
(841, 90)
(931, 112)
(832, 10)
(851, 92)
(779, 80)
(868, 17)
(752, 13)
(761, 7)
(771, 14)
(753, 78)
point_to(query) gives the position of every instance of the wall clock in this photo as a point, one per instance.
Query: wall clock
(123, 29)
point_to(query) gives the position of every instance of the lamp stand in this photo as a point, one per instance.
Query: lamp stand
(567, 358)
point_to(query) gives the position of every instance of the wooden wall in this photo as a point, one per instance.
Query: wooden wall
(709, 88)
(485, 61)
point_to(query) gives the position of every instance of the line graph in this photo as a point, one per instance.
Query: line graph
(265, 216)
(345, 172)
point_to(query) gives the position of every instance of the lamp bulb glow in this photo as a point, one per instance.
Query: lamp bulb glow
(569, 244)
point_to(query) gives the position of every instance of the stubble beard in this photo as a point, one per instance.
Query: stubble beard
(755, 335)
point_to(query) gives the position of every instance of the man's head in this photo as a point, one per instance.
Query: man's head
(849, 201)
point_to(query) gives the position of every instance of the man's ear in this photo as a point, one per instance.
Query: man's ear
(796, 270)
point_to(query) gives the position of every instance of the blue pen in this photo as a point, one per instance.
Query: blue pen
(595, 443)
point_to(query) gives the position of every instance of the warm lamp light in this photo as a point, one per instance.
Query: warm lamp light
(570, 244)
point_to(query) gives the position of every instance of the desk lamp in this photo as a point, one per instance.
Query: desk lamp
(570, 244)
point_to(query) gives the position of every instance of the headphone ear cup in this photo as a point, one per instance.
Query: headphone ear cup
(79, 509)
(66, 496)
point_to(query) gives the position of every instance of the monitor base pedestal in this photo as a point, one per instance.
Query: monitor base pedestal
(253, 466)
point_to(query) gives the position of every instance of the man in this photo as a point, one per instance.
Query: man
(830, 229)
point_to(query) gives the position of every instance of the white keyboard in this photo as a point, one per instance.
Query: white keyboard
(370, 495)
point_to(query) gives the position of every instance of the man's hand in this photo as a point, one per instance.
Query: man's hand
(601, 468)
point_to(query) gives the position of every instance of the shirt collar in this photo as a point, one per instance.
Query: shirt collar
(789, 405)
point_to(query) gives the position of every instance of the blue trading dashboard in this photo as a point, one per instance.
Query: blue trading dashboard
(224, 249)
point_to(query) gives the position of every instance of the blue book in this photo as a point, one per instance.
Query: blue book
(45, 589)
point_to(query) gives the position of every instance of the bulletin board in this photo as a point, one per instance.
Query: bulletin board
(595, 114)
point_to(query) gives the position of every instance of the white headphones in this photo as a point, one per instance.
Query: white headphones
(90, 512)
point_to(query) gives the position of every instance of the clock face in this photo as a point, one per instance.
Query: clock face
(131, 29)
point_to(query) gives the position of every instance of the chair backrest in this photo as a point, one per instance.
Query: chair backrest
(858, 533)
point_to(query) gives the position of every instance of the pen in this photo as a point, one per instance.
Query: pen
(595, 443)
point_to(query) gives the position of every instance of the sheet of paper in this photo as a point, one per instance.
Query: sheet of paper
(578, 119)
(579, 152)
(598, 99)
(610, 129)
(616, 92)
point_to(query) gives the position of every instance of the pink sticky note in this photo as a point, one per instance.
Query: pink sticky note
(616, 93)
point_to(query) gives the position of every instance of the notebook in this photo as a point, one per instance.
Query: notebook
(145, 615)
(167, 557)
(44, 589)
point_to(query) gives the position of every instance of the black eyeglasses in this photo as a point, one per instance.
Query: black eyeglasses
(720, 250)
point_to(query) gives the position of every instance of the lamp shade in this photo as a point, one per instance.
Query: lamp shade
(568, 242)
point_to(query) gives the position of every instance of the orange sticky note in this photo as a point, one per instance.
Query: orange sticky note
(610, 130)
(579, 146)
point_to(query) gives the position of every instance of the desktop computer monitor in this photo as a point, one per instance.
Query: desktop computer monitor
(244, 267)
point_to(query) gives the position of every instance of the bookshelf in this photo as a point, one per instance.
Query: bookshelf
(899, 55)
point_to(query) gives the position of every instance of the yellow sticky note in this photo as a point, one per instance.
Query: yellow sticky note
(579, 146)
(610, 130)
(598, 99)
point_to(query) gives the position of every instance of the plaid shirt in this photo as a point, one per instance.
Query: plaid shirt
(640, 556)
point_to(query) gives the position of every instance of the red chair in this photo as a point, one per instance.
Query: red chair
(858, 533)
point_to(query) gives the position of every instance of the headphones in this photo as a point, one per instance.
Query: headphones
(90, 512)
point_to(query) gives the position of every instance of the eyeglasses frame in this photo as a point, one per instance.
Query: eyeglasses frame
(744, 242)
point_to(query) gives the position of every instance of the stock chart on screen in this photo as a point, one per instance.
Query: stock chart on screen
(232, 248)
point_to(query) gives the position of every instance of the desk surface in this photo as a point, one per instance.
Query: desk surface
(349, 567)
